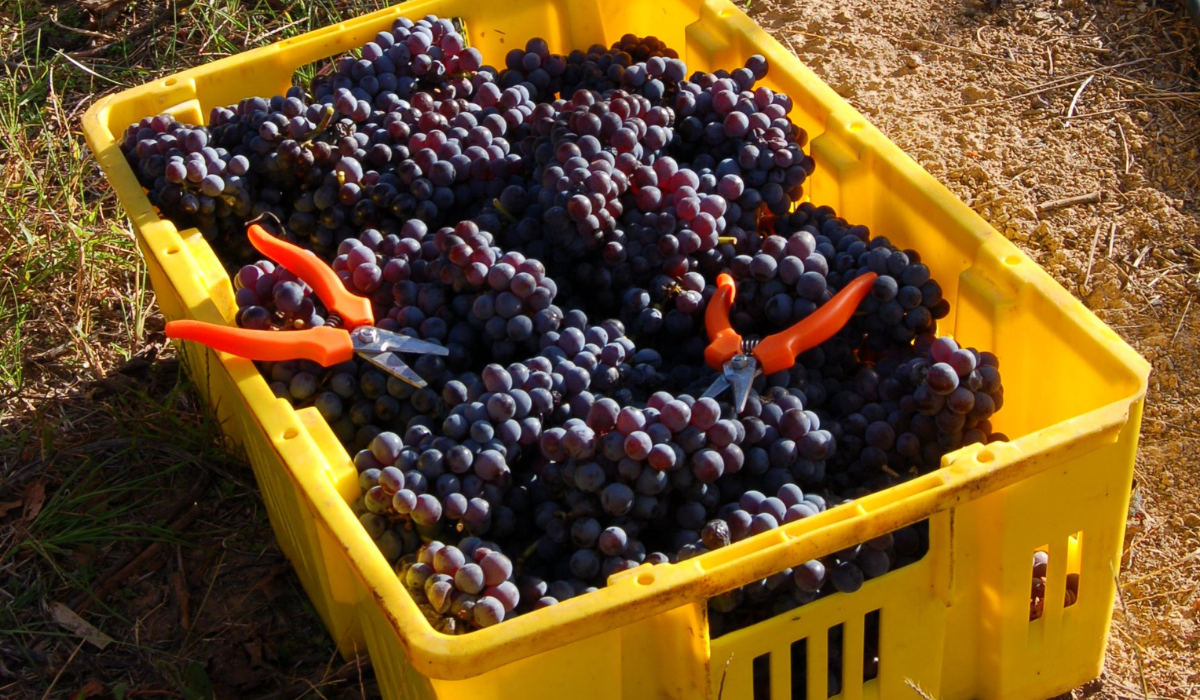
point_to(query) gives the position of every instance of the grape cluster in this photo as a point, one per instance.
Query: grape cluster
(469, 585)
(841, 572)
(268, 296)
(412, 128)
(643, 65)
(427, 55)
(904, 301)
(558, 225)
(357, 399)
(901, 417)
(186, 173)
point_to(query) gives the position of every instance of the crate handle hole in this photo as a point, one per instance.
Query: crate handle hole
(1012, 260)
(646, 579)
(1037, 593)
(800, 669)
(985, 456)
(173, 250)
(169, 82)
(290, 433)
(836, 640)
(761, 669)
(1074, 565)
(871, 622)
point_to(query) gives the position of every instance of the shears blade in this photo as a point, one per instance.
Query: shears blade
(737, 374)
(372, 339)
(719, 384)
(394, 366)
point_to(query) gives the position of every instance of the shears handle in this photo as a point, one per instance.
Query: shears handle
(354, 310)
(779, 351)
(324, 345)
(724, 341)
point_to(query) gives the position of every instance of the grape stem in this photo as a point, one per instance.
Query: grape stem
(502, 210)
(326, 119)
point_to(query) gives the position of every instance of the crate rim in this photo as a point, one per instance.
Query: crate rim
(966, 474)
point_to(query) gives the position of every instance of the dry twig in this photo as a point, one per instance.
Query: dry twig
(79, 30)
(110, 585)
(1137, 649)
(1124, 146)
(1075, 99)
(1141, 256)
(1089, 198)
(916, 688)
(98, 446)
(138, 31)
(969, 52)
(1045, 87)
(1163, 594)
(179, 585)
(125, 566)
(1087, 278)
(1181, 319)
(58, 675)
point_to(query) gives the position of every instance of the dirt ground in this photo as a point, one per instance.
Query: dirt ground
(1030, 102)
(112, 482)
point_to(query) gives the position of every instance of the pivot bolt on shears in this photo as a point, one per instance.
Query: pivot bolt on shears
(350, 328)
(740, 359)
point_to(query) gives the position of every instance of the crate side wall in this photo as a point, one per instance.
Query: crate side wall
(993, 650)
(911, 609)
(641, 660)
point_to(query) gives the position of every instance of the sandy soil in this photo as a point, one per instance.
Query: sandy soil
(1029, 102)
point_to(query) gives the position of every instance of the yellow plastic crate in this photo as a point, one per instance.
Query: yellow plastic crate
(956, 623)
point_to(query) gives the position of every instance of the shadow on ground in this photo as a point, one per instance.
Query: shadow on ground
(139, 560)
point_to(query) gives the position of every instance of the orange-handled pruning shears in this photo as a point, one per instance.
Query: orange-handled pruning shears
(741, 359)
(351, 330)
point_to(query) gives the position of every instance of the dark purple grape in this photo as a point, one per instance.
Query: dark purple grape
(962, 361)
(942, 349)
(496, 568)
(762, 523)
(809, 576)
(942, 378)
(612, 541)
(427, 510)
(488, 611)
(448, 560)
(846, 577)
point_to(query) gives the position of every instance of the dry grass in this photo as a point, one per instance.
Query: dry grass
(118, 499)
(101, 437)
